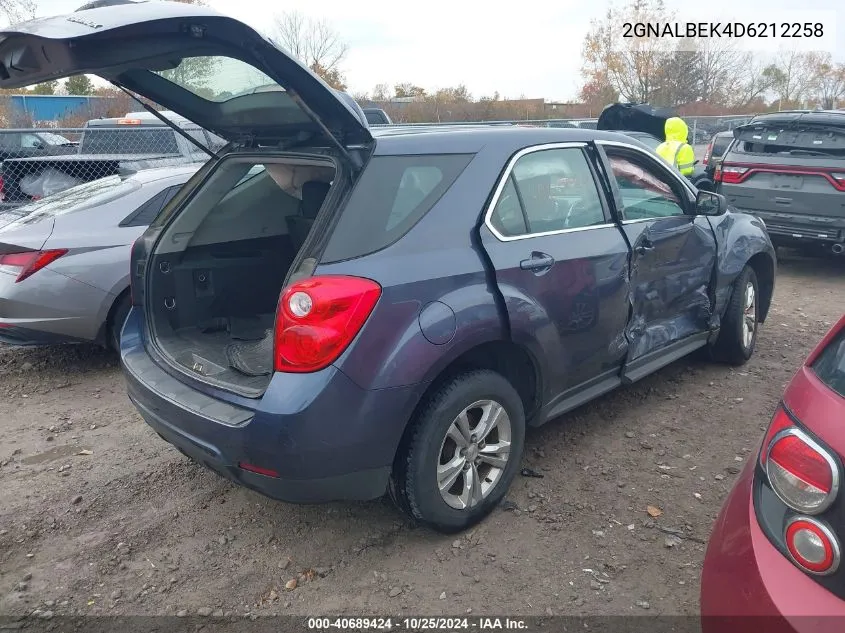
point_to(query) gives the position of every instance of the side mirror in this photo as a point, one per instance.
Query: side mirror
(710, 203)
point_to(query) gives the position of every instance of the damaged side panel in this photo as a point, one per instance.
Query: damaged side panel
(741, 237)
(672, 267)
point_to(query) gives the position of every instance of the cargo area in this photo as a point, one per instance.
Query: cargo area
(218, 269)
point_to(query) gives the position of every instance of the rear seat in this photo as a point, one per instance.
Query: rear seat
(313, 194)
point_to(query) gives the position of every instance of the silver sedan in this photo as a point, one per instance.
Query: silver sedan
(64, 264)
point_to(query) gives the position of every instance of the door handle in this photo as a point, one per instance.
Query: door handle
(538, 262)
(645, 247)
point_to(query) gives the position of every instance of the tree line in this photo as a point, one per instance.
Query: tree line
(709, 76)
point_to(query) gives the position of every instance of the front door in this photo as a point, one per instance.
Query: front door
(560, 263)
(673, 251)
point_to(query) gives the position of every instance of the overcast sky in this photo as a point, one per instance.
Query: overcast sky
(529, 48)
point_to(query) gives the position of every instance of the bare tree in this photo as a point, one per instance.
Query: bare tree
(830, 82)
(18, 10)
(793, 75)
(315, 43)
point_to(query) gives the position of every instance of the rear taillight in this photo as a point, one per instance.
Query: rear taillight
(2, 188)
(28, 263)
(800, 471)
(730, 173)
(317, 318)
(708, 152)
(812, 545)
(838, 177)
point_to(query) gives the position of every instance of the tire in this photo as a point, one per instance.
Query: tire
(118, 317)
(414, 484)
(734, 346)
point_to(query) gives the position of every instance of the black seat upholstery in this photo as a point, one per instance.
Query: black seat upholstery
(313, 194)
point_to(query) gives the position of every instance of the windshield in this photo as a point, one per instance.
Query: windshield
(89, 194)
(54, 139)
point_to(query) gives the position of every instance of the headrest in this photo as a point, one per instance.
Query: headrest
(313, 194)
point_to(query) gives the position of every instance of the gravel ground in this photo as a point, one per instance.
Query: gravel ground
(100, 516)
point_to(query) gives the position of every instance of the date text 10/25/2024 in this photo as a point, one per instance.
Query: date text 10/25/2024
(417, 624)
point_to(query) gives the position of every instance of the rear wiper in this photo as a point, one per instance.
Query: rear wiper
(810, 152)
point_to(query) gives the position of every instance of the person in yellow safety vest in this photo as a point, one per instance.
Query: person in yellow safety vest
(675, 150)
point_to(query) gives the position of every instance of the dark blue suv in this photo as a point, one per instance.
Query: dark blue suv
(325, 312)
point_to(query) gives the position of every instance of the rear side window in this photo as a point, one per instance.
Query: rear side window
(147, 212)
(393, 194)
(720, 145)
(830, 365)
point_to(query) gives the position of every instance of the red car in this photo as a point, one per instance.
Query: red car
(776, 548)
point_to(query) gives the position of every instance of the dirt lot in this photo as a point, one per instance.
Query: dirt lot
(100, 516)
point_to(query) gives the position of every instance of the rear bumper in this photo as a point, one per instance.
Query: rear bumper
(325, 438)
(792, 228)
(747, 585)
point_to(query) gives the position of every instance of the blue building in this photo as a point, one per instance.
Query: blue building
(54, 107)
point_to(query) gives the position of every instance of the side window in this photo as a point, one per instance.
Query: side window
(29, 141)
(646, 192)
(147, 212)
(10, 141)
(548, 190)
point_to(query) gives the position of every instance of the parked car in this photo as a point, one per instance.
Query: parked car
(376, 116)
(788, 168)
(646, 124)
(136, 141)
(64, 262)
(716, 149)
(416, 298)
(775, 550)
(25, 143)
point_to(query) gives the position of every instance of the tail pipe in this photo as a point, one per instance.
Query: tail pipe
(838, 249)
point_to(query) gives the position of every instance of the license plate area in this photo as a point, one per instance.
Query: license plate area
(787, 181)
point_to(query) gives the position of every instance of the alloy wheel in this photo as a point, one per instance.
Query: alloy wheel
(474, 454)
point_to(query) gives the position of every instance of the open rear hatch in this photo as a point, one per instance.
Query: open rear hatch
(209, 271)
(211, 69)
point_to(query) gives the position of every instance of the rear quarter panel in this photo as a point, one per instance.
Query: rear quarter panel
(739, 237)
(439, 260)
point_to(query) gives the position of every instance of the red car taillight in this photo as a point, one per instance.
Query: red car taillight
(730, 173)
(800, 471)
(707, 153)
(29, 262)
(317, 318)
(812, 546)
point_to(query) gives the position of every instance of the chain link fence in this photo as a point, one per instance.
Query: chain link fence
(39, 162)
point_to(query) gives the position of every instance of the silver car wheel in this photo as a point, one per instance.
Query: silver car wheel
(749, 316)
(474, 454)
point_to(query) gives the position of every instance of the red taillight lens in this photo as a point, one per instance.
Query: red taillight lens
(801, 472)
(780, 422)
(30, 262)
(812, 546)
(731, 173)
(317, 318)
(260, 470)
(707, 153)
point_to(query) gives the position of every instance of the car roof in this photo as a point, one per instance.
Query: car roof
(159, 173)
(471, 139)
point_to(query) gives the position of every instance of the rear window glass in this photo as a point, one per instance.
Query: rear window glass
(392, 195)
(792, 139)
(129, 141)
(830, 365)
(720, 144)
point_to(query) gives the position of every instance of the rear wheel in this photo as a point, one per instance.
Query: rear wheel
(464, 449)
(119, 312)
(738, 333)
